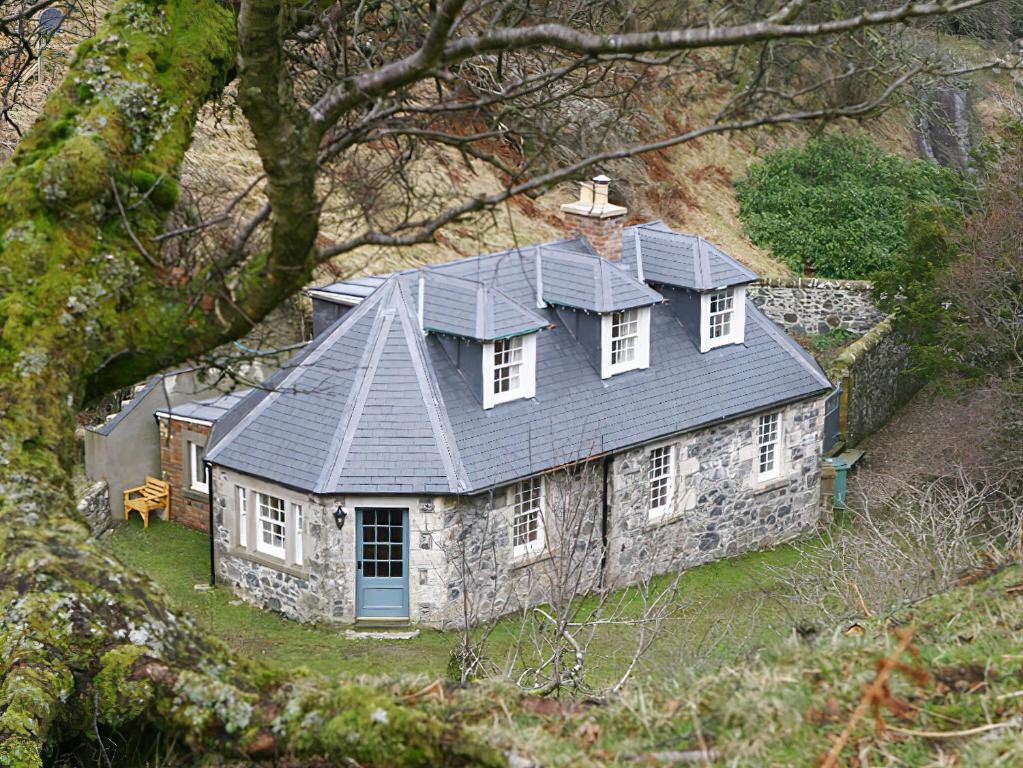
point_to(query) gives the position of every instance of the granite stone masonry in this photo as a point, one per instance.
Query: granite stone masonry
(321, 587)
(94, 506)
(876, 381)
(719, 509)
(463, 565)
(811, 306)
(487, 578)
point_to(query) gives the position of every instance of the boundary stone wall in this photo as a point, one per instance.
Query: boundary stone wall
(810, 306)
(873, 371)
(94, 506)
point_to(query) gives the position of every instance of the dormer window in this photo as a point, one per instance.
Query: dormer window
(624, 337)
(507, 365)
(509, 369)
(721, 311)
(626, 341)
(722, 317)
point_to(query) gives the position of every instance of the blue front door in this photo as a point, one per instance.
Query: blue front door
(381, 556)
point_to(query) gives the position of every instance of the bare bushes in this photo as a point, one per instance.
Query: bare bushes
(901, 541)
(533, 585)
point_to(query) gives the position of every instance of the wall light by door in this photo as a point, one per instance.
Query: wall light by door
(340, 516)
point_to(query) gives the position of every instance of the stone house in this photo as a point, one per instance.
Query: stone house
(456, 431)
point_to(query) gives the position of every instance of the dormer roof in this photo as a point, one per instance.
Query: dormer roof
(458, 306)
(589, 282)
(674, 258)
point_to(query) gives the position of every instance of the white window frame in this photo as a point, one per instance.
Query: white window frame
(737, 321)
(269, 548)
(526, 387)
(641, 358)
(197, 469)
(771, 439)
(296, 513)
(656, 474)
(241, 495)
(536, 545)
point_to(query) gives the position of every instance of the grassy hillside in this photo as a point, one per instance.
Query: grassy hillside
(690, 187)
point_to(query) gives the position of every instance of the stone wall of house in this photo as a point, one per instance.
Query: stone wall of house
(188, 507)
(94, 506)
(719, 509)
(322, 588)
(875, 378)
(485, 576)
(462, 562)
(810, 306)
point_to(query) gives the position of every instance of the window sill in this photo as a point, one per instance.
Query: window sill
(653, 523)
(526, 559)
(269, 561)
(766, 486)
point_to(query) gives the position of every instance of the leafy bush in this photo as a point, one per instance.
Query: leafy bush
(839, 204)
(836, 337)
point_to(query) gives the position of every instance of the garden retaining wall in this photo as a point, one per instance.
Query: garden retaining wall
(876, 381)
(873, 370)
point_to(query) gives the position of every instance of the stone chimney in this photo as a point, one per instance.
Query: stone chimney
(593, 217)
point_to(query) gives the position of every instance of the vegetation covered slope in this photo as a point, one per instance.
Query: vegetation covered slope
(957, 692)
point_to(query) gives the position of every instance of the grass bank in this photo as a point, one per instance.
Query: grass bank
(723, 608)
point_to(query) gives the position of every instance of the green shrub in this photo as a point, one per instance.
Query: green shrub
(836, 337)
(840, 204)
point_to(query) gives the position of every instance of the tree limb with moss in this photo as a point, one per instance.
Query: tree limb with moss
(88, 303)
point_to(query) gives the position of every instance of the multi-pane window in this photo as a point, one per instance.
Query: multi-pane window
(198, 480)
(767, 445)
(721, 309)
(272, 532)
(624, 336)
(243, 515)
(662, 478)
(527, 516)
(507, 365)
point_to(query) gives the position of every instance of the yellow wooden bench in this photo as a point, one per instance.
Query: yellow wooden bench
(155, 494)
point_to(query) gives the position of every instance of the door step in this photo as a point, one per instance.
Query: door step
(380, 633)
(385, 622)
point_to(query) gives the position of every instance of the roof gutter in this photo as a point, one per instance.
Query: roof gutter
(334, 298)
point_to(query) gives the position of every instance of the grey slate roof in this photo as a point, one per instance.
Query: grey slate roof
(459, 306)
(375, 406)
(580, 281)
(672, 258)
(210, 409)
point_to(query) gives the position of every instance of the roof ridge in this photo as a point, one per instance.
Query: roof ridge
(433, 272)
(357, 396)
(701, 265)
(433, 399)
(649, 225)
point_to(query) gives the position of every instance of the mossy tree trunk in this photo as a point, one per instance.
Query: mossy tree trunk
(85, 643)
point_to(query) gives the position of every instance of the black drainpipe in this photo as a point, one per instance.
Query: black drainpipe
(605, 510)
(209, 484)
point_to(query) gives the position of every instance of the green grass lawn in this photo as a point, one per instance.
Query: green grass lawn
(723, 609)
